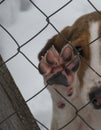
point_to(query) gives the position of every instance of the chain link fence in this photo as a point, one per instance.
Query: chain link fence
(19, 51)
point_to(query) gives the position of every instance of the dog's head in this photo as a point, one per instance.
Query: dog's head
(90, 78)
(87, 76)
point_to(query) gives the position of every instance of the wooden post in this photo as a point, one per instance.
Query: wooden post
(12, 103)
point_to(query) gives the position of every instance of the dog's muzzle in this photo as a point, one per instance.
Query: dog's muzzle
(95, 97)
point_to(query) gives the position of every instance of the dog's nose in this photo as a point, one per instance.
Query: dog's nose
(95, 97)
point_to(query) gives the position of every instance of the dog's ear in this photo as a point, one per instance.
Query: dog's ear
(58, 41)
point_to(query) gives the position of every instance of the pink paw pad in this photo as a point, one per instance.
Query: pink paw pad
(59, 68)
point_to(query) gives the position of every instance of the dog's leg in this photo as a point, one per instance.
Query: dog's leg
(59, 72)
(54, 123)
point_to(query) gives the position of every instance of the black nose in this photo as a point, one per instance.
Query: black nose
(95, 97)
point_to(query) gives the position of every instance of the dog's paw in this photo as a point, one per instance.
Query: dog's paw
(59, 68)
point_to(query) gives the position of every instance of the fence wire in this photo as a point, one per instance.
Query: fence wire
(48, 22)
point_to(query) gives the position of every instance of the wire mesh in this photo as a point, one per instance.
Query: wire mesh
(48, 22)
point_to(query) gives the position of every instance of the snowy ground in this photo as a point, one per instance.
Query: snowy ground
(28, 24)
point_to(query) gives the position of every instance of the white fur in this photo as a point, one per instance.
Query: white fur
(94, 47)
(91, 78)
(80, 97)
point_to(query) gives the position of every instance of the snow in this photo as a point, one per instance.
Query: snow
(27, 25)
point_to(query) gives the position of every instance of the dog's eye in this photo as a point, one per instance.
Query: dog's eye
(80, 50)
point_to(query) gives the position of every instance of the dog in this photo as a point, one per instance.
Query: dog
(70, 63)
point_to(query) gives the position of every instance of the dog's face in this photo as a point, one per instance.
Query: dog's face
(91, 79)
(78, 64)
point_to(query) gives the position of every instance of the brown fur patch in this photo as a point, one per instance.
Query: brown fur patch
(79, 35)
